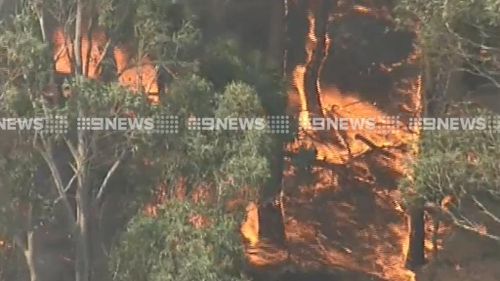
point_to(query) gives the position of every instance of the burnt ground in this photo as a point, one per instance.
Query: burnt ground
(354, 232)
(346, 223)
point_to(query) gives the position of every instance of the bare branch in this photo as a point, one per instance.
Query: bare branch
(485, 210)
(72, 149)
(477, 231)
(448, 216)
(88, 55)
(46, 153)
(469, 226)
(454, 33)
(70, 183)
(110, 173)
(480, 73)
(103, 54)
(41, 19)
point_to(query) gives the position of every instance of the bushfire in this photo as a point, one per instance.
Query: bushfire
(372, 150)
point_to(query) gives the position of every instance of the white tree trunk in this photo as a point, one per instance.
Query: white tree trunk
(83, 265)
(30, 255)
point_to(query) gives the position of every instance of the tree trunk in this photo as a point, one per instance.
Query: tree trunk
(83, 196)
(78, 38)
(83, 204)
(416, 250)
(30, 256)
(82, 255)
(27, 243)
(435, 234)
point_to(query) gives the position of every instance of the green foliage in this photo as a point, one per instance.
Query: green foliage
(95, 99)
(228, 84)
(18, 172)
(171, 247)
(459, 163)
(455, 11)
(455, 36)
(191, 95)
(162, 29)
(25, 61)
(225, 61)
(245, 152)
(225, 160)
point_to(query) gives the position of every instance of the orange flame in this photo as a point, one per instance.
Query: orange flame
(351, 105)
(139, 77)
(300, 70)
(63, 53)
(250, 227)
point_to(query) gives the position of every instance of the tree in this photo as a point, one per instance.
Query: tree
(463, 166)
(195, 238)
(460, 60)
(23, 71)
(220, 160)
(455, 180)
(224, 62)
(81, 164)
(460, 46)
(105, 53)
(185, 242)
(320, 14)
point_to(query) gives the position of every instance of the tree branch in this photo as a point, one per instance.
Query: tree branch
(78, 38)
(70, 183)
(56, 177)
(447, 216)
(103, 54)
(110, 173)
(469, 226)
(90, 43)
(485, 210)
(457, 223)
(41, 19)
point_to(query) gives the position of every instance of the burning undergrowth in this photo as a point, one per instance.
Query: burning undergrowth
(348, 217)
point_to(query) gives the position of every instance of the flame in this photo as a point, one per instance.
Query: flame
(350, 105)
(199, 221)
(342, 105)
(151, 209)
(300, 70)
(250, 227)
(336, 103)
(64, 52)
(328, 45)
(139, 77)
